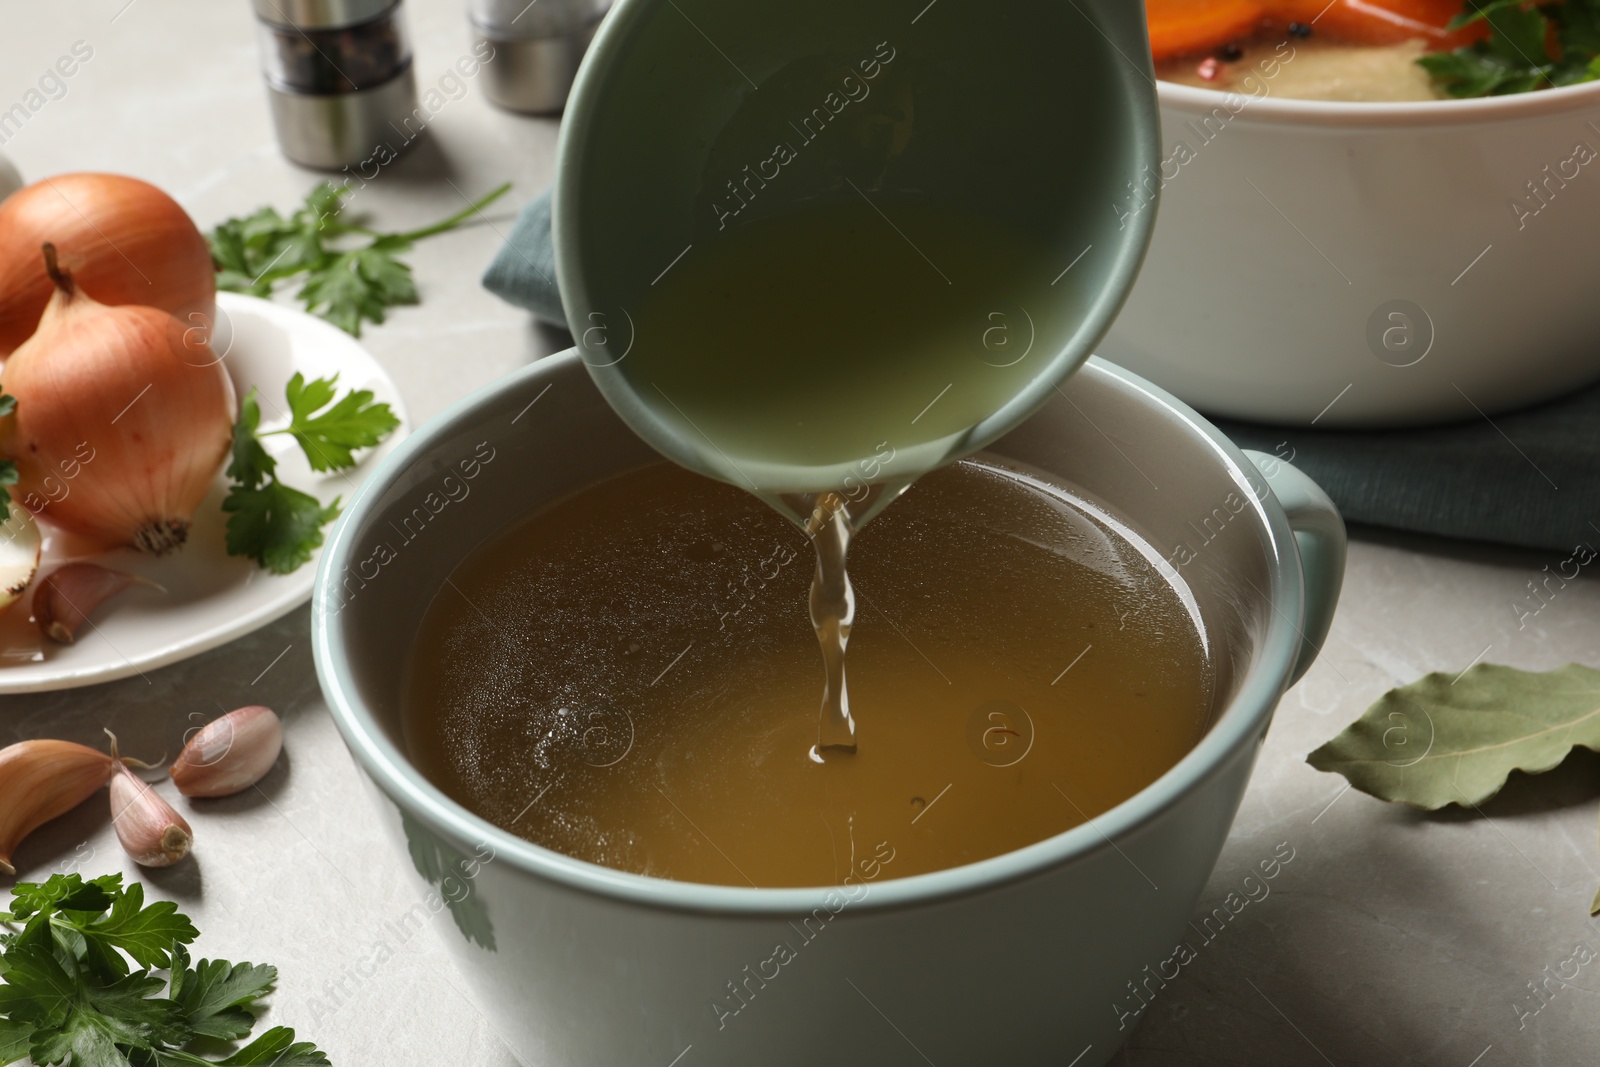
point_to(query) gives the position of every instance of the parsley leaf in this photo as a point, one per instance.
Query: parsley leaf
(8, 468)
(67, 892)
(277, 1048)
(37, 989)
(101, 1021)
(274, 524)
(1580, 30)
(252, 253)
(1518, 34)
(358, 285)
(346, 286)
(1517, 56)
(251, 464)
(145, 933)
(16, 1037)
(329, 439)
(61, 1001)
(213, 995)
(1467, 73)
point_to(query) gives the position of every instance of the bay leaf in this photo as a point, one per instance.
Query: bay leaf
(1454, 740)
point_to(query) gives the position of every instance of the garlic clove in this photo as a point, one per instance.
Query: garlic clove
(68, 596)
(229, 754)
(40, 780)
(19, 555)
(150, 830)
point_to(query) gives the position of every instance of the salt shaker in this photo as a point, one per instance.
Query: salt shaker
(537, 48)
(339, 78)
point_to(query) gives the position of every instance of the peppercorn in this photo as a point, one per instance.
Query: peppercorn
(1299, 29)
(1231, 53)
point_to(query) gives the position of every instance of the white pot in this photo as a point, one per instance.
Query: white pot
(1390, 260)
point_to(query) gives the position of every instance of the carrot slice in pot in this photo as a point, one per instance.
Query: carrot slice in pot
(1179, 27)
(1186, 27)
(1380, 21)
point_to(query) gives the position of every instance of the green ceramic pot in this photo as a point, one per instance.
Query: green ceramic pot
(691, 120)
(1024, 959)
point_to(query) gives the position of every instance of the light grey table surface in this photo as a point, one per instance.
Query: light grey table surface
(1392, 937)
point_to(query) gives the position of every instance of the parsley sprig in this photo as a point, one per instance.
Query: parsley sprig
(8, 468)
(346, 286)
(277, 525)
(78, 982)
(1517, 56)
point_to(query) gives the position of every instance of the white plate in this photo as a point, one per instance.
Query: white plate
(211, 597)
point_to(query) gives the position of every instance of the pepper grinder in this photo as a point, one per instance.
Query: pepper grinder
(339, 79)
(537, 49)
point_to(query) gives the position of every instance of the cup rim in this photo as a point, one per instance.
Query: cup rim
(1238, 724)
(1354, 114)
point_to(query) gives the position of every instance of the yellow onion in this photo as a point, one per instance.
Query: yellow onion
(137, 408)
(125, 241)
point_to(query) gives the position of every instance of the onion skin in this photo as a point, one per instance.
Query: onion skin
(140, 421)
(126, 242)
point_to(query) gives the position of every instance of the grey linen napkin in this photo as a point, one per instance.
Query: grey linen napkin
(1529, 478)
(524, 271)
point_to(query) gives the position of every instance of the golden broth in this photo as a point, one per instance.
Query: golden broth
(630, 677)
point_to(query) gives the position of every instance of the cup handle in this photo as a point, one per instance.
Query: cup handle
(1320, 537)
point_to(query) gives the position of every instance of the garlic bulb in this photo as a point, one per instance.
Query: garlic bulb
(40, 780)
(140, 422)
(150, 830)
(229, 754)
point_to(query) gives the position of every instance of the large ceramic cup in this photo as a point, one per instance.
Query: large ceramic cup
(690, 122)
(1024, 959)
